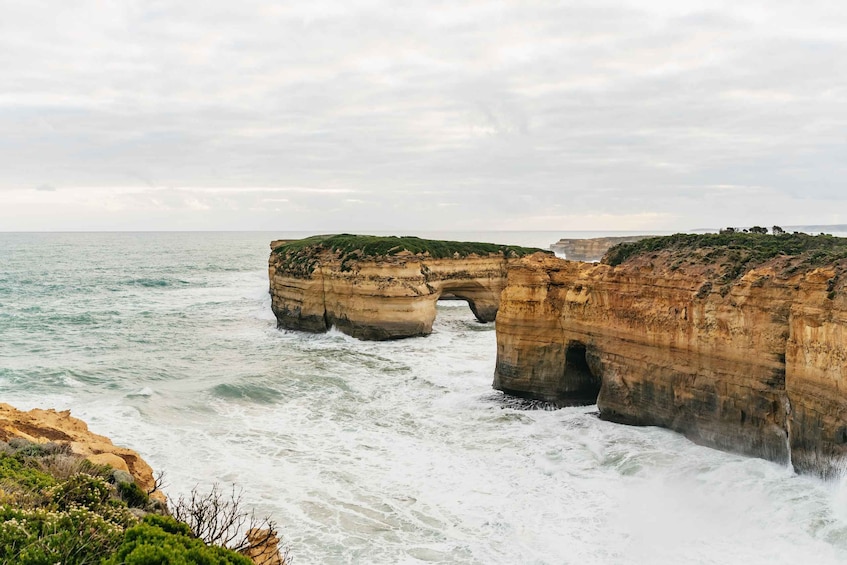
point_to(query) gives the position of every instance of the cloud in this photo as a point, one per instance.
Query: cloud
(46, 188)
(505, 110)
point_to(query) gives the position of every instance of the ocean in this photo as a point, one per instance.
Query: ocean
(364, 452)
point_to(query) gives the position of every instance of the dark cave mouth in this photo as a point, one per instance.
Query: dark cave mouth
(580, 384)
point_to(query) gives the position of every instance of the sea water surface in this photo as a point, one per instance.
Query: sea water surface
(364, 452)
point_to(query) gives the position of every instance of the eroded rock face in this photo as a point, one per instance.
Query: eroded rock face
(753, 364)
(41, 426)
(590, 249)
(263, 547)
(387, 297)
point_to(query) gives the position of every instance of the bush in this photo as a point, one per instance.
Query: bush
(219, 520)
(14, 471)
(80, 518)
(82, 490)
(43, 537)
(159, 539)
(132, 495)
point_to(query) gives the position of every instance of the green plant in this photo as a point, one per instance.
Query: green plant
(160, 539)
(76, 536)
(14, 470)
(132, 495)
(82, 490)
(80, 518)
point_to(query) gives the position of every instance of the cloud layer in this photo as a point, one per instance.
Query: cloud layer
(361, 115)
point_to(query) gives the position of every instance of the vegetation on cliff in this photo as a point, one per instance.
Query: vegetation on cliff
(736, 252)
(300, 256)
(56, 507)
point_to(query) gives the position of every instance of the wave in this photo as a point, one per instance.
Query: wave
(250, 392)
(156, 282)
(141, 393)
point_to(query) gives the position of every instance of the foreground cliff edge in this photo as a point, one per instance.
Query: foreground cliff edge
(735, 340)
(379, 288)
(70, 496)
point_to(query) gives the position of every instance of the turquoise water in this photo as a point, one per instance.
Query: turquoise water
(394, 452)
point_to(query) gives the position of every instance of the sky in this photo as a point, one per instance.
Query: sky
(422, 115)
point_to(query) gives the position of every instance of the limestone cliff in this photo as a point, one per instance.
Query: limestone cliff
(382, 287)
(590, 249)
(736, 341)
(40, 426)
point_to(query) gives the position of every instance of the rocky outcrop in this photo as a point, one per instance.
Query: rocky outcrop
(42, 426)
(590, 249)
(263, 547)
(737, 349)
(377, 288)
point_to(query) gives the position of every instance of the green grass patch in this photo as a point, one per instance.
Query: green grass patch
(299, 257)
(736, 253)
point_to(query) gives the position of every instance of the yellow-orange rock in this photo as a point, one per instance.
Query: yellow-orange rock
(590, 249)
(381, 298)
(41, 426)
(263, 547)
(753, 364)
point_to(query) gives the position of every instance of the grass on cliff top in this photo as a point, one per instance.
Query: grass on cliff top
(381, 246)
(745, 250)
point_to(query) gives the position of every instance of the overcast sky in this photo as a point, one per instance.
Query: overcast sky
(391, 115)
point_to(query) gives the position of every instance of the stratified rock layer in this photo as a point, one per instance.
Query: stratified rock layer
(750, 361)
(382, 297)
(40, 426)
(590, 249)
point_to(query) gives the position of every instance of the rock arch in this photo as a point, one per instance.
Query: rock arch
(391, 296)
(481, 299)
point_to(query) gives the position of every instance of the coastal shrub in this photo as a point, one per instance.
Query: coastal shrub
(78, 517)
(132, 495)
(82, 490)
(161, 539)
(219, 519)
(41, 536)
(13, 470)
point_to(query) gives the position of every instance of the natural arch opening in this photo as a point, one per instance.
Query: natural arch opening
(479, 299)
(580, 384)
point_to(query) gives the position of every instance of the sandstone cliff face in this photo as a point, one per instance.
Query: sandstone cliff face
(383, 291)
(40, 426)
(387, 298)
(590, 249)
(752, 364)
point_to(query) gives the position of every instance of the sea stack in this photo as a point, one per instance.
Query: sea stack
(591, 249)
(379, 288)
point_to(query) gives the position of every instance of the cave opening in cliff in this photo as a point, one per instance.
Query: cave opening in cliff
(580, 385)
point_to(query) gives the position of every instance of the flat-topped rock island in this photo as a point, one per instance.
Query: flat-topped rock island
(380, 288)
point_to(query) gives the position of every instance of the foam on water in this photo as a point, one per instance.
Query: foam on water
(366, 452)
